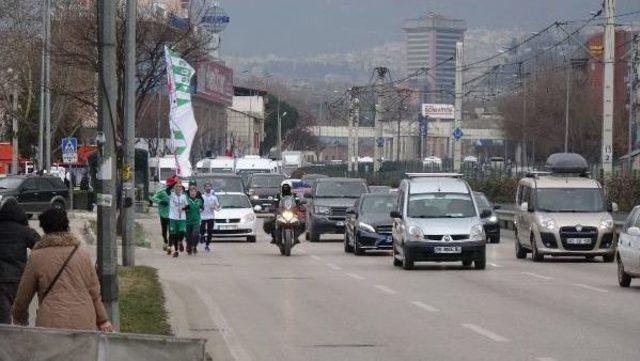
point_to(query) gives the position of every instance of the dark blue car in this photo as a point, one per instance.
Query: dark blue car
(368, 225)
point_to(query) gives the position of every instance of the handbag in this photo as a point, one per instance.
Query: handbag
(55, 279)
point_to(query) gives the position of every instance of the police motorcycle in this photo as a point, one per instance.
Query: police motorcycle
(287, 225)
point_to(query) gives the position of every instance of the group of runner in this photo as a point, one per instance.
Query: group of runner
(186, 216)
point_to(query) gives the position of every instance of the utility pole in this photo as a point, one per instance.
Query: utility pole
(279, 131)
(14, 129)
(607, 98)
(47, 88)
(128, 173)
(105, 179)
(381, 72)
(44, 87)
(356, 126)
(350, 139)
(457, 146)
(566, 111)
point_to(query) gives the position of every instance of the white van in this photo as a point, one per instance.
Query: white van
(216, 165)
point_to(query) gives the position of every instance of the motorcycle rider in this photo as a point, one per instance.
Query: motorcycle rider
(285, 191)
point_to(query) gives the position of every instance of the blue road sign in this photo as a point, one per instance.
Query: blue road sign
(69, 150)
(380, 142)
(457, 133)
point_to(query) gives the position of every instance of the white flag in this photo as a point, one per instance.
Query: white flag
(182, 121)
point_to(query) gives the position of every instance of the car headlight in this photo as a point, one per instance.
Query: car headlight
(477, 233)
(255, 197)
(605, 223)
(547, 223)
(492, 219)
(322, 210)
(249, 218)
(415, 233)
(367, 227)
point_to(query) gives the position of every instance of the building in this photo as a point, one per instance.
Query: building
(431, 41)
(245, 122)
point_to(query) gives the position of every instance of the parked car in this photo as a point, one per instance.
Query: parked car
(327, 205)
(432, 161)
(262, 190)
(380, 189)
(628, 252)
(35, 193)
(236, 217)
(221, 182)
(437, 219)
(563, 213)
(491, 223)
(368, 224)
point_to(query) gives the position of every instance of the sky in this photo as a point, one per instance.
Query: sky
(308, 27)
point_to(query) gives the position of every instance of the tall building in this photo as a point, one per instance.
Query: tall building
(431, 40)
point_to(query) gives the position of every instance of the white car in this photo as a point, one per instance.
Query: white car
(236, 218)
(628, 253)
(432, 161)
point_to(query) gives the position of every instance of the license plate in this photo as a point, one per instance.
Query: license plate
(227, 227)
(340, 224)
(578, 240)
(447, 250)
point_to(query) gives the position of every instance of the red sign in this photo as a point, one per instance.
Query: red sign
(215, 82)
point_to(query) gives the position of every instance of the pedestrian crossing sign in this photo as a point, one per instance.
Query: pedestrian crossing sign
(69, 150)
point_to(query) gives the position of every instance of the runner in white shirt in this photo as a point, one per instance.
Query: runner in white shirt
(211, 205)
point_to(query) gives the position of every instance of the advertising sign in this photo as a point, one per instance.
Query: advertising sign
(215, 82)
(438, 111)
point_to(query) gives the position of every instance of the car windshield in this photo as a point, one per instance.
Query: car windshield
(569, 200)
(10, 183)
(339, 189)
(266, 181)
(378, 204)
(441, 205)
(233, 201)
(483, 202)
(221, 184)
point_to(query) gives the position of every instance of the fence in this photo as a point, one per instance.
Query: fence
(38, 344)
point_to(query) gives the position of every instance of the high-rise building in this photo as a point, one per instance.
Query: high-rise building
(431, 41)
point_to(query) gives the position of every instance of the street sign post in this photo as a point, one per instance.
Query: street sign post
(69, 150)
(458, 133)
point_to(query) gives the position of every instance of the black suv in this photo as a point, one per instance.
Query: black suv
(35, 193)
(328, 203)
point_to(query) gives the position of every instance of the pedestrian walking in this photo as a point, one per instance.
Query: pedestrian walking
(161, 198)
(178, 205)
(210, 205)
(62, 274)
(193, 218)
(15, 238)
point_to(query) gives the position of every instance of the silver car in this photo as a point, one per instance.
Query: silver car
(628, 253)
(437, 220)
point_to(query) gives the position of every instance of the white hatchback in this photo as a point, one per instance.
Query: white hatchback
(236, 218)
(628, 253)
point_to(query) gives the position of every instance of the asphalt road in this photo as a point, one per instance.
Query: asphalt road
(322, 304)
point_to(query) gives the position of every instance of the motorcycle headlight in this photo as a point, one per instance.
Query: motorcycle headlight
(477, 233)
(322, 210)
(547, 223)
(492, 219)
(288, 215)
(249, 218)
(367, 227)
(255, 197)
(605, 223)
(415, 233)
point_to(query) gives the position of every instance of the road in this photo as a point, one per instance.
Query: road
(322, 304)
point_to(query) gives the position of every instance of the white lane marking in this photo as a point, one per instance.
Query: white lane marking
(385, 289)
(333, 266)
(316, 257)
(425, 307)
(355, 276)
(484, 332)
(537, 276)
(495, 265)
(590, 288)
(546, 359)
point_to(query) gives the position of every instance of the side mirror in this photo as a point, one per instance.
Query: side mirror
(257, 208)
(485, 213)
(613, 207)
(351, 211)
(633, 231)
(395, 214)
(497, 207)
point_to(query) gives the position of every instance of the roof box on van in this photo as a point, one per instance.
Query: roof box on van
(567, 163)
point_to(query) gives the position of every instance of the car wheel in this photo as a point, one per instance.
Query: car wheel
(467, 263)
(480, 263)
(407, 262)
(251, 239)
(313, 236)
(521, 253)
(495, 239)
(535, 255)
(347, 247)
(609, 258)
(306, 236)
(57, 205)
(356, 247)
(623, 278)
(396, 261)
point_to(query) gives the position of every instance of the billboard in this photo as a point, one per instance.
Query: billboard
(438, 111)
(215, 82)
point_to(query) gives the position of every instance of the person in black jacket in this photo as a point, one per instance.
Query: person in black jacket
(15, 238)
